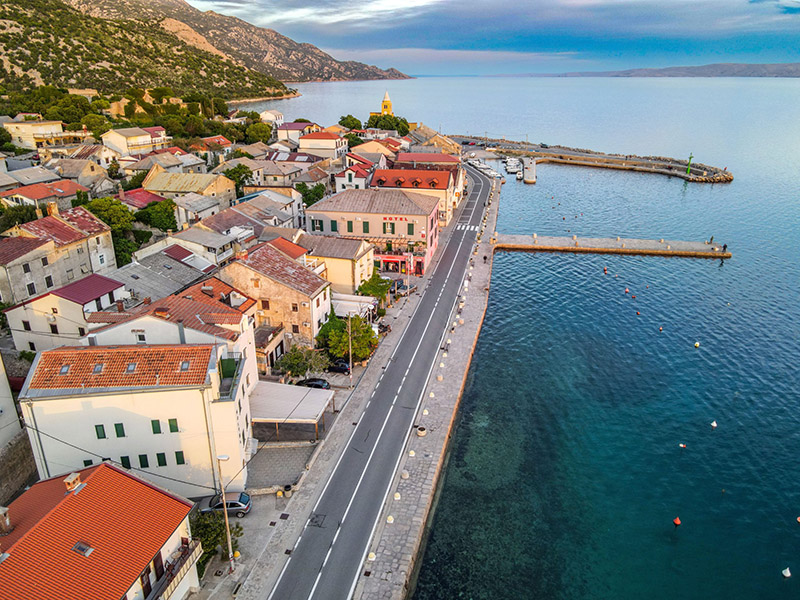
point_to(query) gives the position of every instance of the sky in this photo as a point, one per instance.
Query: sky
(481, 37)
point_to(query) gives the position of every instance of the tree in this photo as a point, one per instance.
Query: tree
(16, 215)
(81, 198)
(258, 132)
(134, 182)
(220, 107)
(353, 140)
(241, 175)
(5, 137)
(399, 124)
(350, 122)
(159, 214)
(376, 286)
(113, 169)
(302, 121)
(310, 194)
(112, 212)
(361, 338)
(240, 154)
(300, 361)
(97, 124)
(210, 529)
(333, 323)
(159, 94)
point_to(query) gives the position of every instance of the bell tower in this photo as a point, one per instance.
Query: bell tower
(386, 105)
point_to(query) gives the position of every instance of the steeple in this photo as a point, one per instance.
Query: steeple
(386, 97)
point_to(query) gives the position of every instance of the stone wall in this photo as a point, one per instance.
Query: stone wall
(16, 466)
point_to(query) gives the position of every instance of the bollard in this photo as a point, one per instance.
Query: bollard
(623, 244)
(617, 238)
(575, 237)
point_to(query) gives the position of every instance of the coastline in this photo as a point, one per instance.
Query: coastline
(294, 94)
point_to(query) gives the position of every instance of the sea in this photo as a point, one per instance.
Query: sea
(568, 465)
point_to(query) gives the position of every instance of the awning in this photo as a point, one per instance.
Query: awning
(280, 403)
(349, 304)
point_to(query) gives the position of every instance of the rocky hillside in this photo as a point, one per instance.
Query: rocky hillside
(714, 70)
(49, 42)
(258, 48)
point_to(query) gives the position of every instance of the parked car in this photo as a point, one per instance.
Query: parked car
(237, 505)
(339, 366)
(315, 382)
(402, 289)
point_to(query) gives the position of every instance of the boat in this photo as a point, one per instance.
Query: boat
(519, 175)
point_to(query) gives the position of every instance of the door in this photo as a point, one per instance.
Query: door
(144, 579)
(158, 565)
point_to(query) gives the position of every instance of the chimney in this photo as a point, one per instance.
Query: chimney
(120, 306)
(72, 481)
(241, 255)
(161, 311)
(169, 232)
(208, 290)
(38, 211)
(121, 194)
(146, 300)
(181, 332)
(5, 521)
(52, 209)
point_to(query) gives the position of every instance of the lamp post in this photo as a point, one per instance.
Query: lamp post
(220, 459)
(350, 347)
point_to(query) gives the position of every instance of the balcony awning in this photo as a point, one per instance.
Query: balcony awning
(280, 403)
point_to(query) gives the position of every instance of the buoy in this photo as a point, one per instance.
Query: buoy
(676, 521)
(605, 270)
(661, 329)
(648, 287)
(786, 573)
(637, 312)
(697, 344)
(626, 290)
(633, 296)
(713, 424)
(682, 445)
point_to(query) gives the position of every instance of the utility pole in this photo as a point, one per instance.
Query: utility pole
(220, 459)
(350, 347)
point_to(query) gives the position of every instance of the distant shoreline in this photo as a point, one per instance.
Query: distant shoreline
(265, 98)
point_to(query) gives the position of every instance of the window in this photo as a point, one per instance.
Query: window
(97, 369)
(388, 228)
(26, 268)
(410, 229)
(70, 274)
(87, 462)
(265, 305)
(81, 331)
(140, 338)
(349, 227)
(143, 462)
(356, 186)
(179, 458)
(97, 241)
(294, 307)
(317, 301)
(32, 346)
(100, 431)
(26, 325)
(44, 261)
(125, 461)
(64, 370)
(80, 249)
(98, 304)
(350, 177)
(48, 281)
(156, 425)
(334, 225)
(130, 368)
(83, 548)
(161, 459)
(31, 289)
(295, 328)
(102, 259)
(53, 328)
(316, 225)
(185, 365)
(119, 429)
(173, 425)
(84, 268)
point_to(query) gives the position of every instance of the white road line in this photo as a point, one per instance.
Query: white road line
(316, 583)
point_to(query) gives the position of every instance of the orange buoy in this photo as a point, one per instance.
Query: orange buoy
(682, 445)
(648, 287)
(661, 329)
(633, 296)
(637, 312)
(676, 521)
(798, 519)
(626, 290)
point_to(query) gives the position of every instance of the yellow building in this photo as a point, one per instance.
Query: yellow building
(386, 107)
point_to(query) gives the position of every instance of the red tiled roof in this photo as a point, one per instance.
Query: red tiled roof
(291, 249)
(321, 135)
(140, 198)
(217, 139)
(273, 263)
(172, 150)
(402, 178)
(12, 248)
(124, 519)
(87, 289)
(63, 188)
(360, 159)
(357, 169)
(52, 228)
(177, 252)
(155, 132)
(84, 220)
(425, 157)
(155, 365)
(200, 292)
(296, 126)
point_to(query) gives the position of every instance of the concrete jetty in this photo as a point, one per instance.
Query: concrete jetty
(618, 245)
(529, 170)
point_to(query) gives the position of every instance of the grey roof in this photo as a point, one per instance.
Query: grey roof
(332, 247)
(156, 276)
(256, 150)
(189, 160)
(271, 232)
(235, 162)
(129, 132)
(383, 201)
(5, 119)
(7, 181)
(196, 202)
(165, 159)
(370, 156)
(33, 175)
(71, 168)
(210, 239)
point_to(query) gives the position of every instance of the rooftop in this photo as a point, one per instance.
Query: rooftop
(290, 249)
(180, 182)
(128, 132)
(140, 198)
(124, 519)
(210, 239)
(296, 126)
(39, 191)
(196, 202)
(425, 157)
(156, 276)
(272, 263)
(384, 201)
(321, 135)
(217, 139)
(12, 248)
(331, 246)
(30, 175)
(407, 178)
(89, 288)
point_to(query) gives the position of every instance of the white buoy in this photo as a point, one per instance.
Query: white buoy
(697, 344)
(713, 424)
(786, 573)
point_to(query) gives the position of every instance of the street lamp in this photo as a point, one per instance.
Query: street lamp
(350, 347)
(220, 459)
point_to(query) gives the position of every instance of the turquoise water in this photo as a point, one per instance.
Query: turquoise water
(565, 471)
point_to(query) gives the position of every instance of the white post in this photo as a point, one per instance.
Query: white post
(220, 459)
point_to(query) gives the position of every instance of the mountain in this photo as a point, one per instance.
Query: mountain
(714, 70)
(260, 49)
(48, 42)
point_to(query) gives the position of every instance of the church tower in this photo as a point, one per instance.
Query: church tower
(386, 105)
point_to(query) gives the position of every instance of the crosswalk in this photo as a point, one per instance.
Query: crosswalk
(464, 226)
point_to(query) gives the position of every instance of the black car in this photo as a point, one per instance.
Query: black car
(339, 366)
(238, 505)
(315, 382)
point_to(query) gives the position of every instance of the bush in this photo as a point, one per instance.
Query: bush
(27, 355)
(142, 236)
(160, 215)
(210, 529)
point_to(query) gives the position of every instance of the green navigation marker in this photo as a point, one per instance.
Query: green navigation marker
(689, 166)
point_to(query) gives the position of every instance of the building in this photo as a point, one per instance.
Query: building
(401, 224)
(50, 252)
(425, 139)
(323, 144)
(289, 293)
(165, 410)
(61, 192)
(159, 275)
(353, 177)
(136, 140)
(83, 172)
(386, 107)
(31, 175)
(59, 317)
(38, 134)
(272, 117)
(293, 131)
(366, 160)
(257, 150)
(171, 163)
(348, 261)
(97, 153)
(245, 221)
(213, 248)
(426, 160)
(302, 160)
(337, 129)
(99, 532)
(374, 147)
(172, 185)
(439, 184)
(213, 149)
(137, 199)
(191, 208)
(9, 420)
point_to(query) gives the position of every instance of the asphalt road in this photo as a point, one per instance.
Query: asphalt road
(326, 561)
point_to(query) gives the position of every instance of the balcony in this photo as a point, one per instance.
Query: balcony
(224, 254)
(230, 373)
(175, 569)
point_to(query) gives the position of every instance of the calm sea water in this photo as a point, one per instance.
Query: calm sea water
(565, 472)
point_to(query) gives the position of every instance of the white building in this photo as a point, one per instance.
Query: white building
(136, 140)
(324, 144)
(165, 410)
(58, 318)
(273, 117)
(9, 421)
(100, 532)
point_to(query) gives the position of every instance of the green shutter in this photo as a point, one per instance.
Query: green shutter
(349, 227)
(173, 425)
(384, 226)
(100, 430)
(87, 463)
(156, 424)
(161, 459)
(119, 428)
(365, 226)
(334, 225)
(179, 458)
(126, 461)
(143, 462)
(410, 229)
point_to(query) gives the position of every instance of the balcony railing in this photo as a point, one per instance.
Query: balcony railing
(230, 372)
(175, 570)
(224, 254)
